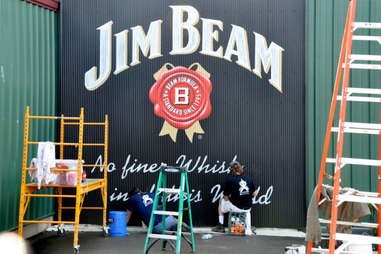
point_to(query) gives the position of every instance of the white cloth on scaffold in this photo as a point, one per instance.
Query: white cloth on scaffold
(46, 159)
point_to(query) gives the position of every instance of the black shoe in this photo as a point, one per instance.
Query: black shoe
(219, 228)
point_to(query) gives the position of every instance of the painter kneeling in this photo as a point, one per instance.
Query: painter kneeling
(239, 191)
(141, 204)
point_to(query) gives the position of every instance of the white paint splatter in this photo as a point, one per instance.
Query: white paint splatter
(2, 74)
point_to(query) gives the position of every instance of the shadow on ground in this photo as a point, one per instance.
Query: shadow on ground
(95, 243)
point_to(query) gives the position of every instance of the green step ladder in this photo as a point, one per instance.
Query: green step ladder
(162, 190)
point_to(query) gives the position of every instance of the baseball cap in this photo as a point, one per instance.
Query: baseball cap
(235, 163)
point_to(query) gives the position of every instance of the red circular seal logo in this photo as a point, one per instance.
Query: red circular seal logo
(182, 97)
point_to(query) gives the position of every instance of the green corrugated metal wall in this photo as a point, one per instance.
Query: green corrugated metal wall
(28, 76)
(325, 28)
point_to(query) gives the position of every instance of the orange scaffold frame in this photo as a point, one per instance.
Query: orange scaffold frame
(81, 188)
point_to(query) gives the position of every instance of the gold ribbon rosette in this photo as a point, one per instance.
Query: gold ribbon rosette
(181, 96)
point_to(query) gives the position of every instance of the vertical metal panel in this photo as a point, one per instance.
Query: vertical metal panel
(28, 76)
(325, 28)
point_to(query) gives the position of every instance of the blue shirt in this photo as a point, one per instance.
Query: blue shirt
(142, 204)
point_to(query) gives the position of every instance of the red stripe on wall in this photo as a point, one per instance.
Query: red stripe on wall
(49, 4)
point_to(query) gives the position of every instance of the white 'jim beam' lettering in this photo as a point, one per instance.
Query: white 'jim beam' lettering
(145, 43)
(178, 28)
(121, 52)
(209, 36)
(105, 50)
(238, 39)
(268, 56)
(150, 42)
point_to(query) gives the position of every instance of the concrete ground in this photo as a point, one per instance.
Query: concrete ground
(133, 243)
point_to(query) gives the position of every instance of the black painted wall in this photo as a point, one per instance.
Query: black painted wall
(250, 119)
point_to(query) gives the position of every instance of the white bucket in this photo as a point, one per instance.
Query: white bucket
(361, 248)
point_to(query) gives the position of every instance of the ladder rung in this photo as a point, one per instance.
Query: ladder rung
(355, 90)
(168, 190)
(68, 144)
(358, 131)
(78, 123)
(351, 90)
(98, 123)
(50, 195)
(372, 126)
(54, 117)
(320, 250)
(359, 199)
(369, 194)
(160, 236)
(366, 25)
(355, 57)
(347, 223)
(360, 98)
(367, 38)
(365, 66)
(48, 221)
(354, 161)
(93, 165)
(166, 213)
(361, 128)
(172, 170)
(54, 169)
(175, 232)
(359, 239)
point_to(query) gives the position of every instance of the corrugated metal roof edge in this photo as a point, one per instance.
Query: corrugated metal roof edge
(49, 4)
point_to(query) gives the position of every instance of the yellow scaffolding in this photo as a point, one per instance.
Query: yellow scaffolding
(81, 188)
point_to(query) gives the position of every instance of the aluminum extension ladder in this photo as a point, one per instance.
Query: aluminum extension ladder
(161, 191)
(349, 61)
